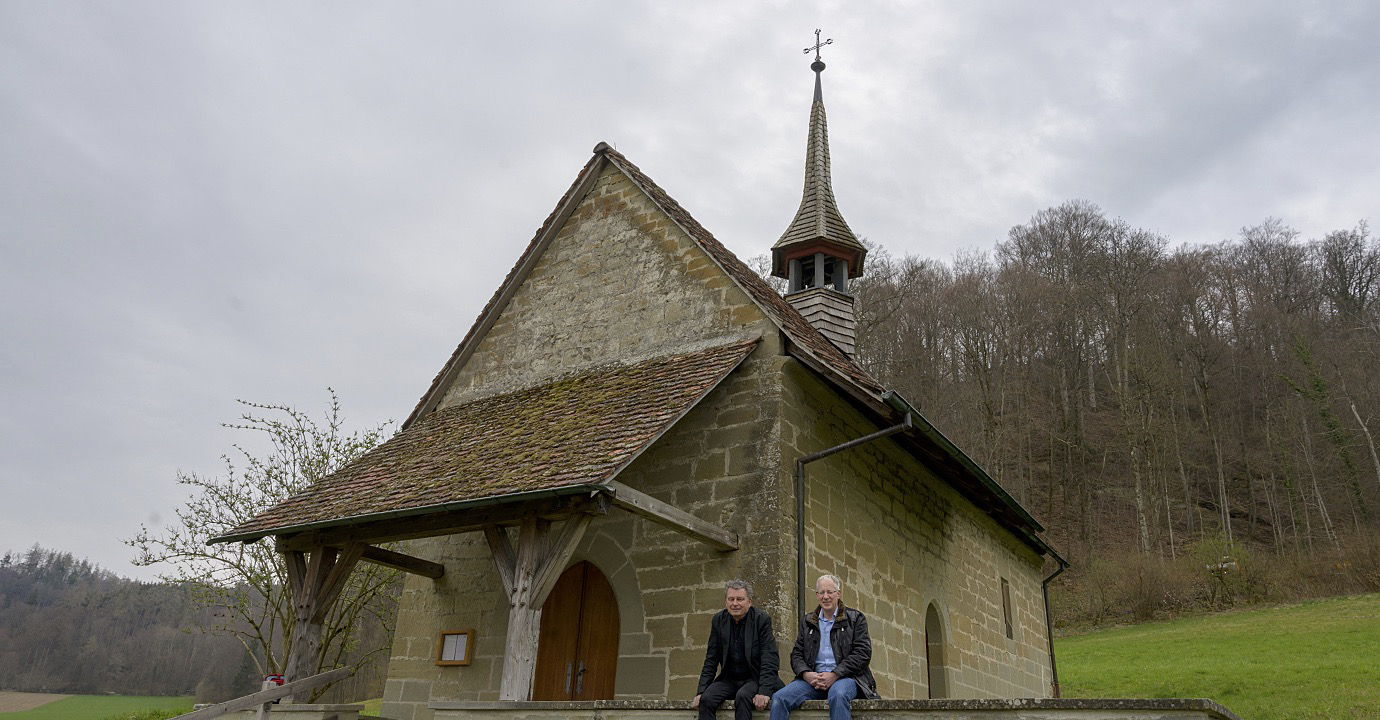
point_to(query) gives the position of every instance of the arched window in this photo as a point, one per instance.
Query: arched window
(934, 653)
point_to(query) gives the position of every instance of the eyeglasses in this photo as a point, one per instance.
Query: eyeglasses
(826, 592)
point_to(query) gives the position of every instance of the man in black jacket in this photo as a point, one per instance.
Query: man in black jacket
(742, 644)
(836, 668)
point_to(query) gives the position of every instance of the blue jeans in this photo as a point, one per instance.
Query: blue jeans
(840, 696)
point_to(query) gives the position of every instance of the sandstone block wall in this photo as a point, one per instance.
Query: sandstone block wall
(619, 282)
(901, 540)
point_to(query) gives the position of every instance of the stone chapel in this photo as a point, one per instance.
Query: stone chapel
(604, 450)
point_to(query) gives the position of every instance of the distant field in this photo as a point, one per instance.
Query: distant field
(16, 701)
(88, 707)
(1311, 661)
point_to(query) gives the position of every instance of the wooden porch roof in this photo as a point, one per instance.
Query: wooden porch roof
(561, 437)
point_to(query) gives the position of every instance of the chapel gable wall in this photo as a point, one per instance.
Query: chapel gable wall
(619, 282)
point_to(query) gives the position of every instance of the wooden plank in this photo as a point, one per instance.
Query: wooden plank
(640, 503)
(447, 523)
(263, 696)
(504, 559)
(405, 563)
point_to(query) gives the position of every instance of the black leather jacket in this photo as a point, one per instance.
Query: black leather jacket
(759, 644)
(852, 648)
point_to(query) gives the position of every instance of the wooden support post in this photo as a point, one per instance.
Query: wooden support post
(316, 582)
(538, 563)
(503, 555)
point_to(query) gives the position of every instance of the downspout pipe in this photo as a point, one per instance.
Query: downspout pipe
(1049, 625)
(800, 494)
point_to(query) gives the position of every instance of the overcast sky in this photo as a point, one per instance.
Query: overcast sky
(208, 201)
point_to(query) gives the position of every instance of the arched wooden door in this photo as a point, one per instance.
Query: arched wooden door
(577, 648)
(934, 654)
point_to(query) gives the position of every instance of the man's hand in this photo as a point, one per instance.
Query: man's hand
(811, 678)
(823, 680)
(694, 704)
(760, 701)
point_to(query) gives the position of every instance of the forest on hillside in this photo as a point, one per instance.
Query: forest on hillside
(67, 626)
(1156, 406)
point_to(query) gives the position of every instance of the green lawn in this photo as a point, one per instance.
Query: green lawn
(102, 707)
(1316, 660)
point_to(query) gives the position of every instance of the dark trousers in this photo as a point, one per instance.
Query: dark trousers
(718, 691)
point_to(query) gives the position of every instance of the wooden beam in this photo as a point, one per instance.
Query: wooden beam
(558, 554)
(640, 503)
(296, 562)
(504, 558)
(263, 696)
(405, 563)
(336, 578)
(445, 523)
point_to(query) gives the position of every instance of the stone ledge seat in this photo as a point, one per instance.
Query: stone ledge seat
(1017, 709)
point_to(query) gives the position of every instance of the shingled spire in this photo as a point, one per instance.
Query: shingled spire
(818, 253)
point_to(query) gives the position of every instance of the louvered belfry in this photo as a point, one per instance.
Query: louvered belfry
(818, 254)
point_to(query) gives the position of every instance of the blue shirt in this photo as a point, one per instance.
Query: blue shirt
(824, 662)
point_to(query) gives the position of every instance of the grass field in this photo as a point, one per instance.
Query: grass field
(100, 707)
(1316, 660)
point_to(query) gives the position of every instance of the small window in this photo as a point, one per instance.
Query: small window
(455, 648)
(1006, 609)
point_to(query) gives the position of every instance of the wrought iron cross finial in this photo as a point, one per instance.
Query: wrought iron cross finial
(818, 45)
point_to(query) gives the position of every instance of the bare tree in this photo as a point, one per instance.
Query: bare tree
(246, 584)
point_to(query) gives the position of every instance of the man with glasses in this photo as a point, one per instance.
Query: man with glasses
(741, 642)
(830, 658)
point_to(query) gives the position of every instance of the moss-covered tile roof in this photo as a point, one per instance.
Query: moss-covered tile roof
(578, 430)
